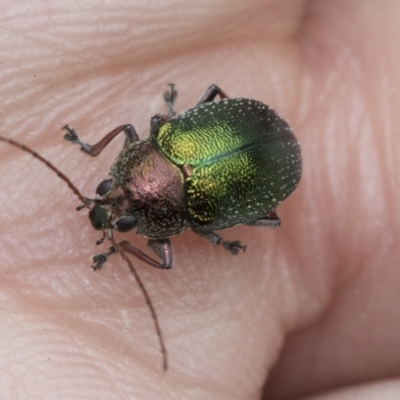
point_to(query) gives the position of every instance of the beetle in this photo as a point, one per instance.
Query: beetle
(211, 167)
(214, 166)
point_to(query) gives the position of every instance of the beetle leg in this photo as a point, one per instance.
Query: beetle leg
(233, 247)
(129, 248)
(98, 260)
(95, 149)
(163, 249)
(211, 93)
(271, 220)
(170, 97)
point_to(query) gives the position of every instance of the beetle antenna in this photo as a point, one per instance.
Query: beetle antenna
(74, 189)
(148, 301)
(85, 203)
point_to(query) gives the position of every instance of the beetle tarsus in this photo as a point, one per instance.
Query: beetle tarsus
(73, 137)
(98, 260)
(233, 247)
(170, 97)
(71, 134)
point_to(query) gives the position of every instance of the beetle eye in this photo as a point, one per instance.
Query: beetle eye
(98, 217)
(125, 224)
(104, 187)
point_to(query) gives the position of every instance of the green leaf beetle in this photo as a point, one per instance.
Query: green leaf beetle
(214, 166)
(219, 164)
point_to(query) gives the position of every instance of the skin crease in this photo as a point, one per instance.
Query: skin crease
(309, 308)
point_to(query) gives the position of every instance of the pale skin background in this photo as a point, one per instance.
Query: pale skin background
(310, 308)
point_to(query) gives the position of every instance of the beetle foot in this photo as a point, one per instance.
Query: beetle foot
(170, 97)
(98, 260)
(234, 247)
(73, 137)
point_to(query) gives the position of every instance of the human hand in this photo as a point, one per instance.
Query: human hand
(315, 300)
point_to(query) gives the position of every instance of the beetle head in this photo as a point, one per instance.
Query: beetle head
(109, 211)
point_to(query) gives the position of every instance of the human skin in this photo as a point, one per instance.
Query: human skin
(309, 308)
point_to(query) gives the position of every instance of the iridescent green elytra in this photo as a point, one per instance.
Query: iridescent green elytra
(244, 161)
(219, 164)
